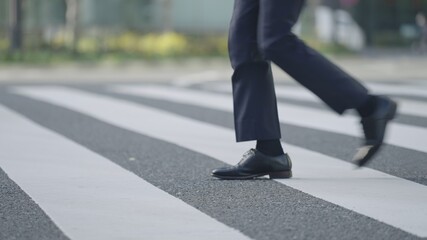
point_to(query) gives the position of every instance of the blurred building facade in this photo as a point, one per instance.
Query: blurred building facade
(141, 15)
(389, 22)
(373, 22)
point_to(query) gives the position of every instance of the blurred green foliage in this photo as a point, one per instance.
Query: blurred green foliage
(129, 45)
(4, 44)
(329, 49)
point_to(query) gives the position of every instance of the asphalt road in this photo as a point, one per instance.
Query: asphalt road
(133, 161)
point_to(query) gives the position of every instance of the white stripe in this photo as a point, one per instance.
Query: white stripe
(389, 199)
(402, 135)
(419, 91)
(88, 196)
(411, 107)
(397, 89)
(194, 78)
(416, 83)
(416, 108)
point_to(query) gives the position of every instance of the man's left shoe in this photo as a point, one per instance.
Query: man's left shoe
(374, 128)
(256, 164)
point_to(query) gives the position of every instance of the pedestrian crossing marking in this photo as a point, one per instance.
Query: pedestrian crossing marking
(88, 196)
(406, 106)
(398, 89)
(402, 135)
(380, 88)
(394, 201)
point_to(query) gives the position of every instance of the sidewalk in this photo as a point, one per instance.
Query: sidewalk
(366, 68)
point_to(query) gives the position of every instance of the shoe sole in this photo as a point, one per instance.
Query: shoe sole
(272, 175)
(365, 153)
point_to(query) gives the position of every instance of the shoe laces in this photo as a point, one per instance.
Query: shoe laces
(246, 155)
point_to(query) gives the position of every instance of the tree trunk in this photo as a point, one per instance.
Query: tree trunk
(71, 23)
(16, 37)
(167, 12)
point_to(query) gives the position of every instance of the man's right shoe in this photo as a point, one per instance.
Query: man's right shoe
(256, 164)
(374, 128)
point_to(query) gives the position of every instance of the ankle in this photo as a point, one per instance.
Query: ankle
(368, 107)
(270, 147)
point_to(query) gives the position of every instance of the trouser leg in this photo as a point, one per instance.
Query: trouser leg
(277, 43)
(255, 107)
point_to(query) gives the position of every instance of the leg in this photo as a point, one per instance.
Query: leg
(335, 87)
(255, 108)
(278, 44)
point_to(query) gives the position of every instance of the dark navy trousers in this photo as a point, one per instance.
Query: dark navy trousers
(260, 33)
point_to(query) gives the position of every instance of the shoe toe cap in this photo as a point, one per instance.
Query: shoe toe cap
(221, 171)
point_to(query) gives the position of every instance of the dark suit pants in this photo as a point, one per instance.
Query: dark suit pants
(260, 33)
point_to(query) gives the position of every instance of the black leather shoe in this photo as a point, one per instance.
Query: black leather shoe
(374, 128)
(256, 164)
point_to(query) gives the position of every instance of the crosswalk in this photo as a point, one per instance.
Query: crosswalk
(402, 135)
(90, 185)
(132, 161)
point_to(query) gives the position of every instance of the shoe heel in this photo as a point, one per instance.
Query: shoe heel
(284, 174)
(393, 112)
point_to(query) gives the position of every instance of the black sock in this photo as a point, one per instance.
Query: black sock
(270, 147)
(368, 107)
